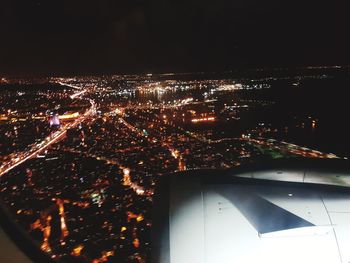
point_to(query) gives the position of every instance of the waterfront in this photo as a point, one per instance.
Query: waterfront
(81, 183)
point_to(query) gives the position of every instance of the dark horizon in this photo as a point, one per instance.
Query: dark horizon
(114, 37)
(254, 73)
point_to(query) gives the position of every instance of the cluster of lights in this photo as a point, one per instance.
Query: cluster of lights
(69, 116)
(203, 119)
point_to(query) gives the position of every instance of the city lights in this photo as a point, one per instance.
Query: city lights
(80, 162)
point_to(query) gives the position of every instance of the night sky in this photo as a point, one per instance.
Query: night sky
(105, 36)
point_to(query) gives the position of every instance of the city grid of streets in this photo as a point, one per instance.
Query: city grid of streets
(84, 192)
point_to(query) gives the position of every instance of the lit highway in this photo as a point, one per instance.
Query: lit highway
(48, 141)
(89, 153)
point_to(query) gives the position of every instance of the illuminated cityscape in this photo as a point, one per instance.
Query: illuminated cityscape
(81, 156)
(102, 101)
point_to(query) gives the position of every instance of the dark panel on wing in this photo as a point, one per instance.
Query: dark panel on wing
(265, 216)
